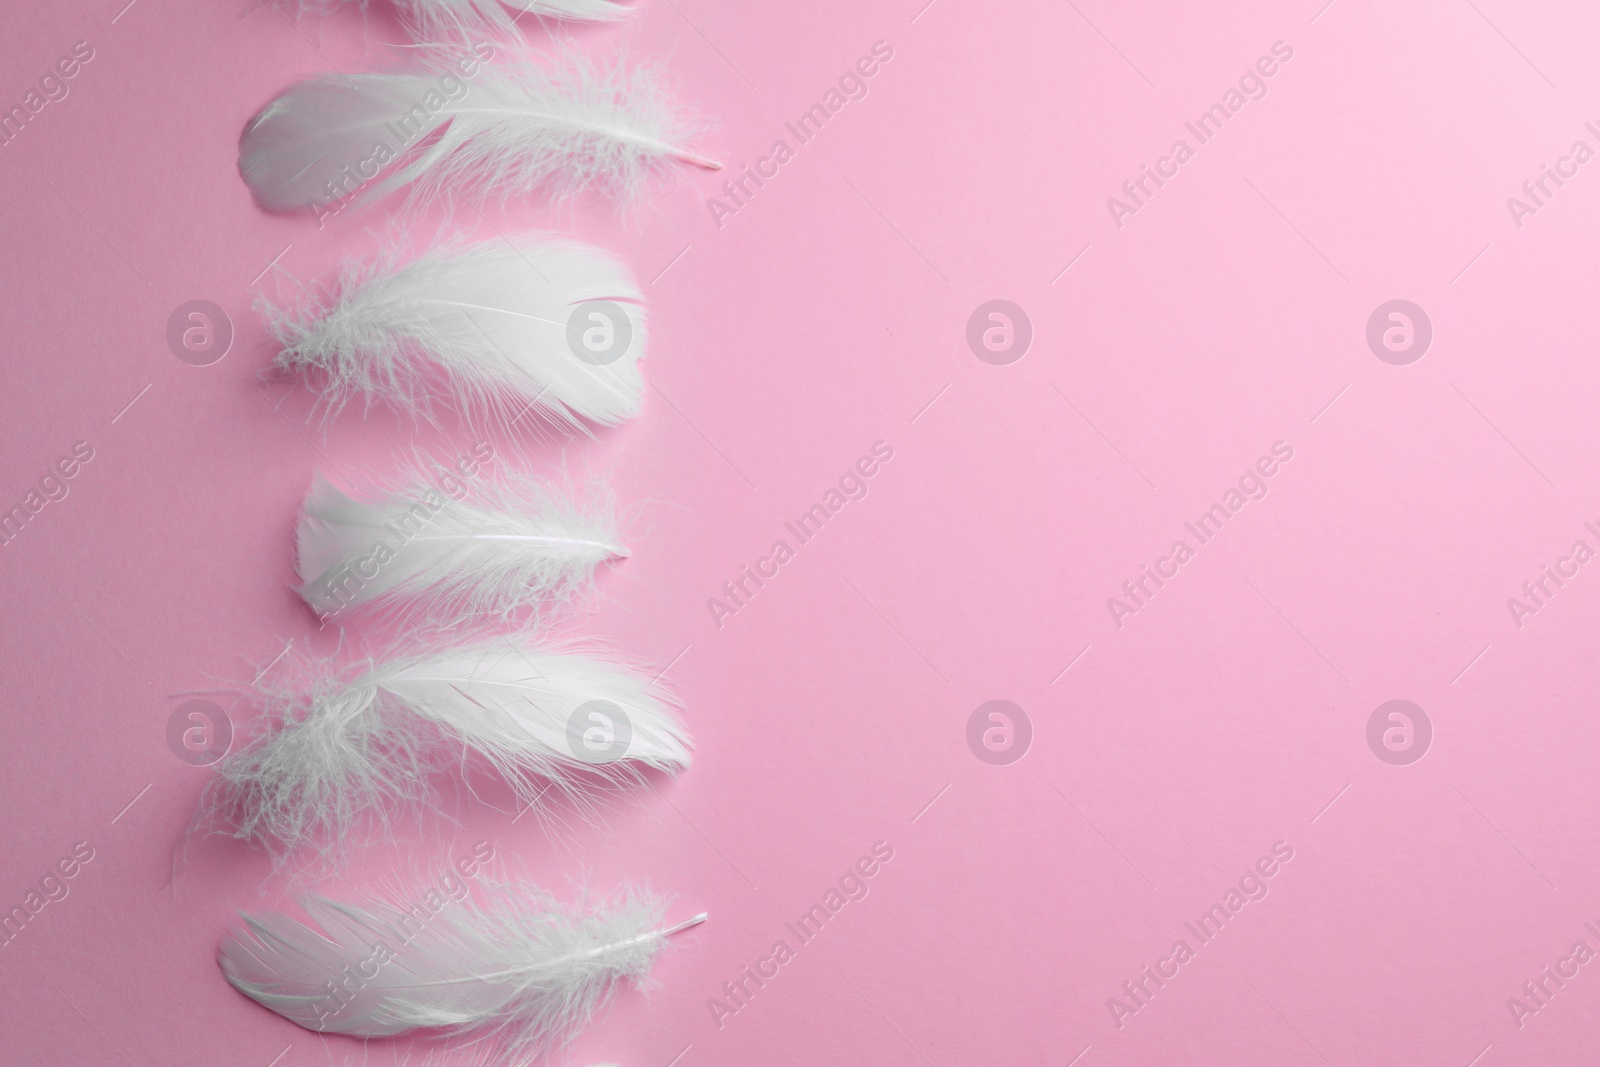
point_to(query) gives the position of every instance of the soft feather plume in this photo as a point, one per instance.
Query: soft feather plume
(435, 20)
(460, 1054)
(513, 127)
(455, 21)
(512, 324)
(344, 747)
(506, 544)
(520, 965)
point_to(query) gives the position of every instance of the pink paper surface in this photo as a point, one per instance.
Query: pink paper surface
(1176, 340)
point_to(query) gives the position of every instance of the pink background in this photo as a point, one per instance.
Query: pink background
(828, 314)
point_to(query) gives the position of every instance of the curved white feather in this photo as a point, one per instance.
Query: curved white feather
(510, 543)
(513, 126)
(512, 324)
(521, 964)
(337, 750)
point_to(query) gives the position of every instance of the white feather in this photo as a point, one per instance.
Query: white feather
(513, 127)
(492, 318)
(509, 544)
(341, 748)
(436, 20)
(521, 964)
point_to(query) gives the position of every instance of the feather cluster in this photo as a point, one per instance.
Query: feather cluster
(342, 748)
(513, 127)
(504, 327)
(500, 330)
(521, 965)
(512, 543)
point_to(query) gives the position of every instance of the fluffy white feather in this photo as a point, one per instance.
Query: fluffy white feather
(494, 319)
(507, 544)
(436, 20)
(342, 747)
(520, 964)
(512, 127)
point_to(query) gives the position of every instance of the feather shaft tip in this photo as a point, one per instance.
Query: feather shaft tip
(697, 160)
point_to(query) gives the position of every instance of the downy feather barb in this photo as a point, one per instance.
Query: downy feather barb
(511, 325)
(346, 747)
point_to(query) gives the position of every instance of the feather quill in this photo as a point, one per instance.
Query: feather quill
(520, 964)
(344, 747)
(512, 325)
(509, 544)
(513, 127)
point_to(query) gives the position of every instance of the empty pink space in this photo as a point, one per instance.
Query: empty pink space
(1177, 423)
